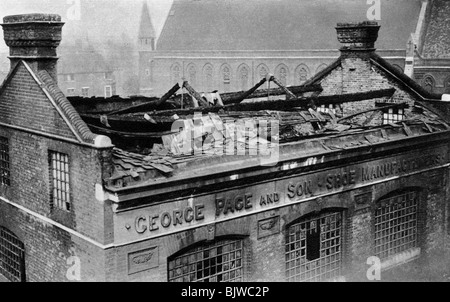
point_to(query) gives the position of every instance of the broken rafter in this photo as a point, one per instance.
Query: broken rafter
(153, 104)
(353, 97)
(195, 94)
(155, 134)
(284, 105)
(244, 95)
(289, 94)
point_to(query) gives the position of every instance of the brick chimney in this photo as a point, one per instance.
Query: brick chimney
(358, 36)
(358, 44)
(34, 39)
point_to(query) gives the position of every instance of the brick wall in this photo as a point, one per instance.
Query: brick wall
(266, 255)
(23, 104)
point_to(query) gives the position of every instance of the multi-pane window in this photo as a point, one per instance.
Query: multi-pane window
(12, 256)
(393, 115)
(85, 92)
(327, 108)
(221, 261)
(396, 224)
(108, 91)
(59, 180)
(5, 178)
(314, 248)
(70, 91)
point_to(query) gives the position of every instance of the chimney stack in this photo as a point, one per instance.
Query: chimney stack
(358, 36)
(34, 39)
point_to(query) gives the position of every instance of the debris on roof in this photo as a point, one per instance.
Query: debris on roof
(180, 133)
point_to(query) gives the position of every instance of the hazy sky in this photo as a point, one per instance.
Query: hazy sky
(97, 18)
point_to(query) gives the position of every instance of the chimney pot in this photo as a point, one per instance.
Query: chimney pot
(34, 38)
(358, 35)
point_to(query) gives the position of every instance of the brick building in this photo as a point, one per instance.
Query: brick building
(365, 176)
(84, 72)
(230, 45)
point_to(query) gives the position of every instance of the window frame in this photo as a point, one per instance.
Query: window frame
(201, 247)
(418, 221)
(58, 202)
(83, 89)
(5, 162)
(296, 262)
(110, 91)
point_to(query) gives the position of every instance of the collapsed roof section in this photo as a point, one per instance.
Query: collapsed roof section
(360, 102)
(155, 145)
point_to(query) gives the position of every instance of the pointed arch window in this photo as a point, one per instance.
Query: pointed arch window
(175, 73)
(208, 78)
(282, 75)
(428, 83)
(192, 75)
(302, 75)
(244, 78)
(263, 71)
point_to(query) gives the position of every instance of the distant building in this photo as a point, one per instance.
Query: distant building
(370, 179)
(230, 45)
(430, 47)
(84, 72)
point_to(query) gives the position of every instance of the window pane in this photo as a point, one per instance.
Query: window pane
(216, 262)
(59, 180)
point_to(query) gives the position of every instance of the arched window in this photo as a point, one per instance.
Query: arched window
(428, 83)
(175, 73)
(396, 223)
(226, 78)
(208, 77)
(263, 70)
(301, 74)
(447, 85)
(12, 256)
(321, 67)
(220, 261)
(314, 247)
(244, 73)
(192, 75)
(152, 70)
(282, 74)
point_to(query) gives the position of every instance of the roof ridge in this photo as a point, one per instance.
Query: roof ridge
(66, 107)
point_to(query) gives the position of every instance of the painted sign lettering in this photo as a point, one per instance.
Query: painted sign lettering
(203, 210)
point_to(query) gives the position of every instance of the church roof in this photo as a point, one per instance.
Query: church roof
(278, 24)
(436, 44)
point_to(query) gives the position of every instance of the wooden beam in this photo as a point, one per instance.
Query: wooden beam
(152, 105)
(195, 94)
(289, 94)
(285, 105)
